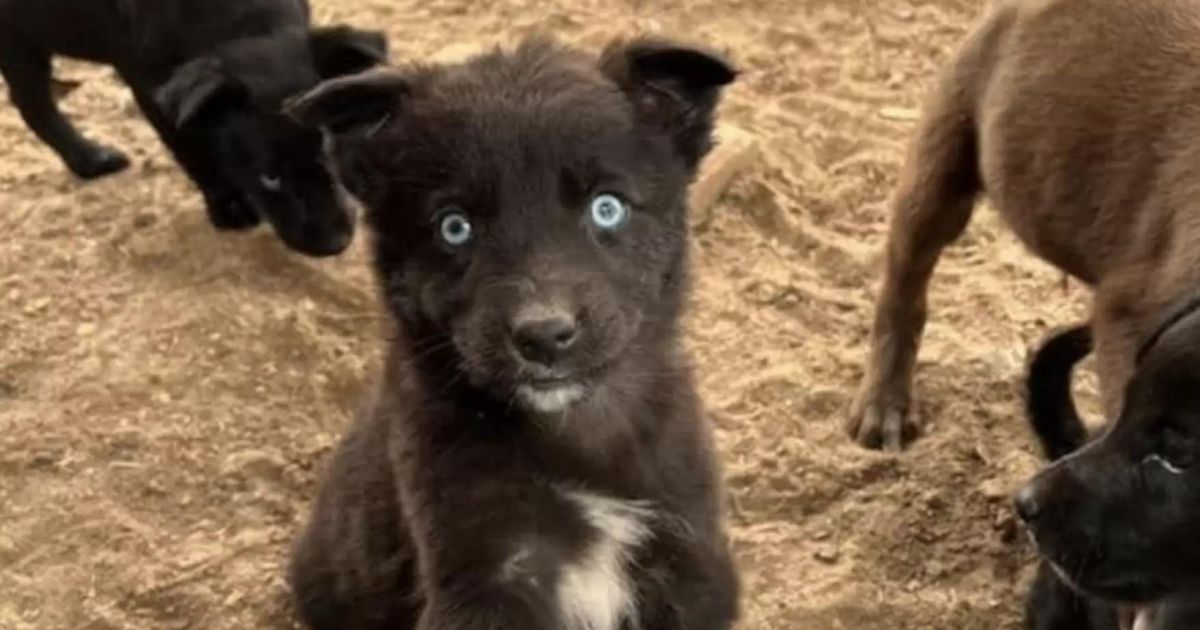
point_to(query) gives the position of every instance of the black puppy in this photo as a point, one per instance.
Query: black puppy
(211, 76)
(537, 456)
(1117, 518)
(1052, 604)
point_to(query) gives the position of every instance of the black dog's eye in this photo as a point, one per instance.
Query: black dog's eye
(608, 212)
(455, 227)
(273, 183)
(1177, 447)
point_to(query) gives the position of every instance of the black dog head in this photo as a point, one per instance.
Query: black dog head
(1120, 518)
(232, 103)
(530, 206)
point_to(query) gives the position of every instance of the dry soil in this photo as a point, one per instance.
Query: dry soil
(169, 395)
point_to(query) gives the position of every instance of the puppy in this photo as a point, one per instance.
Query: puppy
(536, 456)
(1116, 519)
(1075, 117)
(1052, 604)
(211, 76)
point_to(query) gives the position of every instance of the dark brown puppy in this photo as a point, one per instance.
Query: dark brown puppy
(1078, 120)
(536, 456)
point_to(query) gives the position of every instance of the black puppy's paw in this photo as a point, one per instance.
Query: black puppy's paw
(229, 211)
(96, 161)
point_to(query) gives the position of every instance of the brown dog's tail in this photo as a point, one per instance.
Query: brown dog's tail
(1048, 402)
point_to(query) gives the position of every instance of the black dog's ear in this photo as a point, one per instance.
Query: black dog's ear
(1174, 314)
(341, 105)
(672, 87)
(342, 50)
(198, 87)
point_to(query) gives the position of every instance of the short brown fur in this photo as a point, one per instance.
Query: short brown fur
(1079, 120)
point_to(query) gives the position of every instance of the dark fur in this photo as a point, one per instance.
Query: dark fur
(1113, 519)
(1048, 401)
(1052, 604)
(211, 76)
(1075, 118)
(451, 469)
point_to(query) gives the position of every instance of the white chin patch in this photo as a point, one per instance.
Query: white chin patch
(550, 400)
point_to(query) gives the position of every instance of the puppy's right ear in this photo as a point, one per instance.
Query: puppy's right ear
(366, 100)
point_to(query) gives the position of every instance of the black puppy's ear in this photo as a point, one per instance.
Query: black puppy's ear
(342, 50)
(363, 100)
(672, 87)
(197, 87)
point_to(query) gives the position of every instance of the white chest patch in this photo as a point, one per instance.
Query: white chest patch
(1144, 619)
(595, 592)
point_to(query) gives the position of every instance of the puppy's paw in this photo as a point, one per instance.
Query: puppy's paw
(879, 421)
(228, 211)
(96, 161)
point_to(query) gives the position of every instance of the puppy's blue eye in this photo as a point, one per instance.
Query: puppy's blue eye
(608, 212)
(272, 183)
(455, 227)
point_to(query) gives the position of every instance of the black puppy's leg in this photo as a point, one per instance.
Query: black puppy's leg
(706, 594)
(28, 73)
(227, 208)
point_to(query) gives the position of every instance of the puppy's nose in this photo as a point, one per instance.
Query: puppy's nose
(1027, 503)
(544, 339)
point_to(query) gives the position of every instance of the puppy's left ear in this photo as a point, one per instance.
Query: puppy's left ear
(199, 88)
(673, 88)
(342, 50)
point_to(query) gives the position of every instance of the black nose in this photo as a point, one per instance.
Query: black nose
(545, 339)
(1027, 504)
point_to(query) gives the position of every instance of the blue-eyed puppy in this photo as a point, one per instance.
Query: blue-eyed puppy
(536, 456)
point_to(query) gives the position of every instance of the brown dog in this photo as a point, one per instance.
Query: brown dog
(1081, 120)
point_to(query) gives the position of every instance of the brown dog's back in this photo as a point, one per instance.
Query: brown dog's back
(1086, 125)
(1079, 120)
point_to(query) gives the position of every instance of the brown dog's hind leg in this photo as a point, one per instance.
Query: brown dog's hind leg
(931, 208)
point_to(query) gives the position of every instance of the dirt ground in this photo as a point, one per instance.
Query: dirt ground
(168, 396)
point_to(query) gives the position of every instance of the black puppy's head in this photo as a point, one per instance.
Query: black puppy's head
(1120, 518)
(231, 103)
(530, 207)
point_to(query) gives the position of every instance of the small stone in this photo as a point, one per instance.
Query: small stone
(254, 463)
(457, 53)
(144, 220)
(903, 114)
(828, 555)
(994, 489)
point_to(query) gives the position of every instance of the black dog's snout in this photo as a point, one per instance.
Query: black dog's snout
(1028, 505)
(545, 338)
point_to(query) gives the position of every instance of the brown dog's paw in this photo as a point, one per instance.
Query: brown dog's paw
(881, 422)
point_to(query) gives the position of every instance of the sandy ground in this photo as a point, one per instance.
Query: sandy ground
(168, 396)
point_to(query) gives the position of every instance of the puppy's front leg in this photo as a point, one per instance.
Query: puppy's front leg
(931, 209)
(490, 541)
(481, 576)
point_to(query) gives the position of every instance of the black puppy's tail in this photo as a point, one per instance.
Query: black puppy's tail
(1048, 402)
